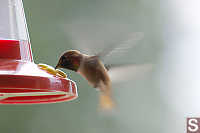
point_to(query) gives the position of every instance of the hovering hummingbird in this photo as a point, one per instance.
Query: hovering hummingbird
(92, 68)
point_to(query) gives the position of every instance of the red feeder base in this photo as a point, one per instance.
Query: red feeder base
(23, 82)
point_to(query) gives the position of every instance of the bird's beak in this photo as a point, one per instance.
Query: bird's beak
(57, 66)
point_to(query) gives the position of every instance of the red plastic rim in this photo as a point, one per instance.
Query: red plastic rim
(23, 82)
(19, 86)
(24, 89)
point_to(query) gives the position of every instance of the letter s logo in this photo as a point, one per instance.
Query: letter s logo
(193, 125)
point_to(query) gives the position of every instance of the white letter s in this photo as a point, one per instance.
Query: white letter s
(193, 123)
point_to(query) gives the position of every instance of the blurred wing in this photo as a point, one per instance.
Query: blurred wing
(122, 47)
(114, 66)
(129, 72)
(100, 38)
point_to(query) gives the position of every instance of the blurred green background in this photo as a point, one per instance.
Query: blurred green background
(140, 108)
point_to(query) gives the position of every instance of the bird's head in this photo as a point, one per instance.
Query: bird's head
(70, 60)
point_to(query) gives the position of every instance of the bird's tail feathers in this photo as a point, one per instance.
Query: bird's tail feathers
(106, 102)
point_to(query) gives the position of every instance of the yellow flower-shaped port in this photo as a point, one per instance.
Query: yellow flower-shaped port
(51, 70)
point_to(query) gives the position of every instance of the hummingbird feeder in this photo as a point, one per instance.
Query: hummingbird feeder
(21, 80)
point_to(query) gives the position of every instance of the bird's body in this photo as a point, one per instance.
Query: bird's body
(93, 70)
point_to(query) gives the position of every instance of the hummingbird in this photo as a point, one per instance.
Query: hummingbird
(93, 70)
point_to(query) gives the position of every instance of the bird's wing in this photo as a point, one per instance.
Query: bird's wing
(129, 72)
(121, 47)
(101, 38)
(114, 66)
